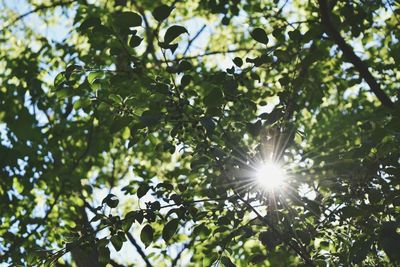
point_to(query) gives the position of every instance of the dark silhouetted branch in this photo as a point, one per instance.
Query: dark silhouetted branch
(194, 38)
(139, 249)
(39, 8)
(116, 264)
(348, 52)
(210, 53)
(178, 256)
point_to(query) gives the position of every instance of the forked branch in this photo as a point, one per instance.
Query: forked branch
(349, 54)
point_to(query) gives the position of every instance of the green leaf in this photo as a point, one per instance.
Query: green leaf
(135, 41)
(96, 218)
(162, 12)
(169, 147)
(172, 47)
(230, 87)
(135, 215)
(170, 229)
(295, 35)
(89, 22)
(117, 99)
(127, 224)
(255, 76)
(269, 239)
(208, 123)
(104, 255)
(127, 19)
(186, 79)
(254, 128)
(257, 258)
(173, 32)
(389, 239)
(161, 88)
(119, 123)
(94, 76)
(142, 190)
(351, 212)
(146, 235)
(102, 30)
(214, 98)
(111, 200)
(167, 186)
(238, 61)
(150, 118)
(59, 79)
(259, 35)
(360, 249)
(184, 65)
(201, 230)
(117, 242)
(71, 69)
(126, 133)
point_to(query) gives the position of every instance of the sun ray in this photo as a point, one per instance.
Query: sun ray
(270, 176)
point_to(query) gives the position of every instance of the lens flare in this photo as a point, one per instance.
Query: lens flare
(270, 176)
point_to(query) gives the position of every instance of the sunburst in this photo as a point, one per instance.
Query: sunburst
(270, 176)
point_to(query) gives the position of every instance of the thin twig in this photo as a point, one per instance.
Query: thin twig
(39, 8)
(299, 252)
(178, 256)
(348, 52)
(210, 53)
(193, 39)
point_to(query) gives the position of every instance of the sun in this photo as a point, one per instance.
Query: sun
(270, 176)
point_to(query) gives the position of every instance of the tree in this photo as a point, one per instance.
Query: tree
(162, 127)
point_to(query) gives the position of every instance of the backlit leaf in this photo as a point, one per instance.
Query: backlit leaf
(173, 32)
(170, 229)
(146, 235)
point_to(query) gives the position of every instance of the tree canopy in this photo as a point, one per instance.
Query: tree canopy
(200, 133)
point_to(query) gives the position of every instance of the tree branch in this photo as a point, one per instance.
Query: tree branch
(178, 256)
(210, 53)
(348, 52)
(39, 8)
(116, 264)
(194, 38)
(139, 249)
(298, 250)
(149, 33)
(195, 201)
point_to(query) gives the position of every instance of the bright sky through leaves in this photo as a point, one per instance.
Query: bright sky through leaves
(270, 176)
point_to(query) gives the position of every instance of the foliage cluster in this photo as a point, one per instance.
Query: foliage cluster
(141, 128)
